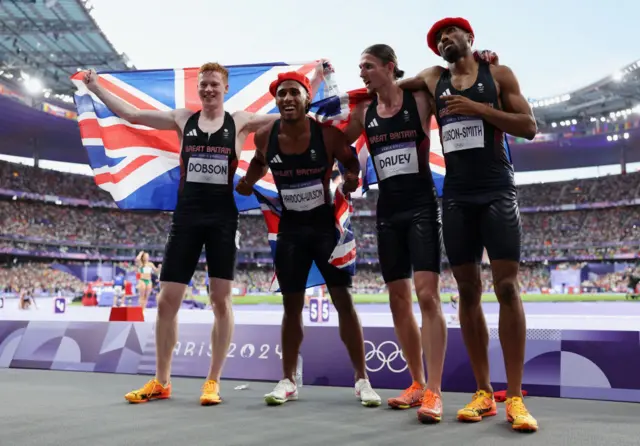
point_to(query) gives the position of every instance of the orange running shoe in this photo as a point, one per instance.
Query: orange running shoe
(482, 405)
(411, 397)
(431, 409)
(153, 390)
(210, 393)
(519, 417)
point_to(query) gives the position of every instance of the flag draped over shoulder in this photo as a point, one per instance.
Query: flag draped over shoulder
(140, 166)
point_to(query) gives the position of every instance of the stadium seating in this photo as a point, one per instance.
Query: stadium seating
(569, 221)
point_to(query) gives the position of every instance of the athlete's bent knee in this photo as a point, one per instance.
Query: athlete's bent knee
(429, 301)
(400, 299)
(470, 292)
(169, 301)
(507, 291)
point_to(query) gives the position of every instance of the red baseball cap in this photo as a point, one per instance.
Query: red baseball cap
(290, 76)
(458, 22)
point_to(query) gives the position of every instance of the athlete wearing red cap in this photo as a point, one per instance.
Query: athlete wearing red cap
(205, 215)
(476, 104)
(300, 153)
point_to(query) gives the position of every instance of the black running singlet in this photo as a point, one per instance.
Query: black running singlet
(400, 152)
(475, 153)
(207, 166)
(302, 179)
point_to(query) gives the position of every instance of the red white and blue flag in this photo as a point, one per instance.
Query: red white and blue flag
(140, 166)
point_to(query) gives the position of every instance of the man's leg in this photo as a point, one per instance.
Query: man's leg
(395, 263)
(473, 323)
(512, 322)
(350, 328)
(353, 339)
(463, 244)
(425, 248)
(339, 283)
(502, 232)
(434, 342)
(292, 261)
(169, 301)
(180, 259)
(221, 335)
(220, 250)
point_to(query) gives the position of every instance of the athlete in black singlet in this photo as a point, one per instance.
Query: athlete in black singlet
(300, 153)
(205, 215)
(397, 126)
(476, 104)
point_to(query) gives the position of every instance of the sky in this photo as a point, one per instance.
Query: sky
(553, 46)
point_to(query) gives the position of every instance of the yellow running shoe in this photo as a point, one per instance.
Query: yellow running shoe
(482, 405)
(519, 417)
(411, 397)
(153, 390)
(210, 393)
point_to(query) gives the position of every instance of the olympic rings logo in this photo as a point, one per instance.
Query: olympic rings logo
(388, 354)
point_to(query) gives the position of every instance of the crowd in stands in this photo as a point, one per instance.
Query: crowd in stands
(38, 278)
(547, 235)
(23, 178)
(544, 232)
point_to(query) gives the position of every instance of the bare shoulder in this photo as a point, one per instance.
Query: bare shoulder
(360, 109)
(431, 76)
(181, 116)
(502, 73)
(261, 136)
(240, 117)
(333, 133)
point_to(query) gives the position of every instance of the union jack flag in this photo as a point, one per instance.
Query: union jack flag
(140, 166)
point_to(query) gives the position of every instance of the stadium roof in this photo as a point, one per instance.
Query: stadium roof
(618, 93)
(48, 40)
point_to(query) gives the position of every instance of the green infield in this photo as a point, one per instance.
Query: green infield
(384, 298)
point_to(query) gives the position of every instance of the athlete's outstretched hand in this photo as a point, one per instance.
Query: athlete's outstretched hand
(487, 55)
(350, 182)
(460, 105)
(244, 188)
(324, 66)
(90, 79)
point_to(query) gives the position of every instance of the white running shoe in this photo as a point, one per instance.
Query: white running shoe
(285, 391)
(367, 395)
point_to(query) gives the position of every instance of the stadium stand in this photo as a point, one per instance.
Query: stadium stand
(565, 224)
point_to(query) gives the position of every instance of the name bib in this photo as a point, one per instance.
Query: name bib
(208, 170)
(397, 159)
(463, 135)
(303, 198)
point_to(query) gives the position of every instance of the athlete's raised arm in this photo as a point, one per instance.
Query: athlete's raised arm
(338, 148)
(161, 120)
(258, 166)
(250, 122)
(428, 78)
(516, 120)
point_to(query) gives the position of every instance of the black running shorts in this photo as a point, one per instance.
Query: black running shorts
(297, 249)
(184, 246)
(470, 226)
(409, 242)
